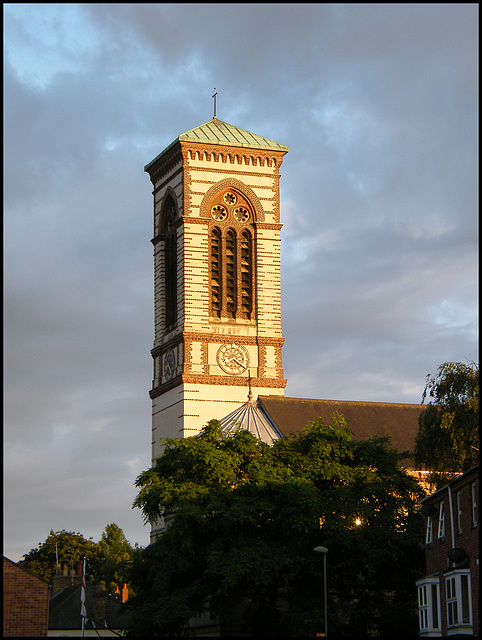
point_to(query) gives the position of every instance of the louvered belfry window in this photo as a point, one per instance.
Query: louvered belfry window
(231, 254)
(231, 273)
(246, 273)
(170, 262)
(216, 280)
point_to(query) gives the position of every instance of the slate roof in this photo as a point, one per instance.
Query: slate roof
(397, 421)
(64, 610)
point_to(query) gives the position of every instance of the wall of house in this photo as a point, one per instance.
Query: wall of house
(25, 603)
(461, 532)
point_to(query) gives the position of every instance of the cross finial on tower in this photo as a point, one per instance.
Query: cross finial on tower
(214, 96)
(250, 392)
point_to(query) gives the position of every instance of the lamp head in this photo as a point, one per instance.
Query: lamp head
(321, 549)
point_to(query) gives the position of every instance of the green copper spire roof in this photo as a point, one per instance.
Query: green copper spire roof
(221, 133)
(217, 132)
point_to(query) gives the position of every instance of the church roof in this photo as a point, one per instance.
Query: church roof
(217, 132)
(250, 417)
(365, 419)
(221, 133)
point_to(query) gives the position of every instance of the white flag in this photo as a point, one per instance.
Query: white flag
(83, 610)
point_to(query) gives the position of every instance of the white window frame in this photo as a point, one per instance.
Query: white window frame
(474, 505)
(428, 535)
(459, 512)
(441, 521)
(429, 616)
(458, 598)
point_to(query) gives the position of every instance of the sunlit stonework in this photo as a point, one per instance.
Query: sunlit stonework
(217, 307)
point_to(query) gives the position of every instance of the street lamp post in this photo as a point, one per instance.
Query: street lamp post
(324, 551)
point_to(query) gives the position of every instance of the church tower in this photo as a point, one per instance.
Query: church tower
(217, 294)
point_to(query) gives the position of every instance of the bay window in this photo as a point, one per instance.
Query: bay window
(458, 602)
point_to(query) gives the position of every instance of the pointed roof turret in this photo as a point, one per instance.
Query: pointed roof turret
(251, 417)
(218, 132)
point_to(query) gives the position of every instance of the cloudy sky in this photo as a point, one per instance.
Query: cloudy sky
(378, 104)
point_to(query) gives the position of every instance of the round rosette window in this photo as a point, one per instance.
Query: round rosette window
(229, 198)
(241, 214)
(219, 213)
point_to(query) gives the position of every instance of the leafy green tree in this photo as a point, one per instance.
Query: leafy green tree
(108, 561)
(247, 518)
(65, 547)
(115, 557)
(448, 435)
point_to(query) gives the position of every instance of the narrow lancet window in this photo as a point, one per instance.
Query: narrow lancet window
(246, 274)
(231, 273)
(216, 299)
(170, 263)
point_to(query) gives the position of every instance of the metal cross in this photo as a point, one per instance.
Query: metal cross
(214, 96)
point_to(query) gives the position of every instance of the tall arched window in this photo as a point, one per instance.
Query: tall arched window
(231, 273)
(231, 254)
(170, 262)
(246, 273)
(216, 279)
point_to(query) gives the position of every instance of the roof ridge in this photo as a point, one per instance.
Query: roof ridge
(359, 402)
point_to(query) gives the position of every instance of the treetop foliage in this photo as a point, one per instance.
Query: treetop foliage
(66, 547)
(448, 438)
(455, 384)
(107, 560)
(247, 518)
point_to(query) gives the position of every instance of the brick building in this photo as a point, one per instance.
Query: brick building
(448, 595)
(25, 602)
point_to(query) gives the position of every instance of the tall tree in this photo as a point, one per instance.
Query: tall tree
(448, 435)
(247, 518)
(108, 561)
(116, 557)
(65, 547)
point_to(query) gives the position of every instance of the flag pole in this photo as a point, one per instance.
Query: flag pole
(83, 611)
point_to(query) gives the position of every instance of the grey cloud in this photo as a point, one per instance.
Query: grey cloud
(378, 104)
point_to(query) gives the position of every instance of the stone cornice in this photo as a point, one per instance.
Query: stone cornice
(273, 226)
(234, 381)
(228, 154)
(218, 338)
(164, 163)
(169, 344)
(227, 338)
(222, 381)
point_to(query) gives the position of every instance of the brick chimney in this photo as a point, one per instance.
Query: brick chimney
(61, 581)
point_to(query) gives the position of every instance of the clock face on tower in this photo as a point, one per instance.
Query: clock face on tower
(233, 358)
(169, 364)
